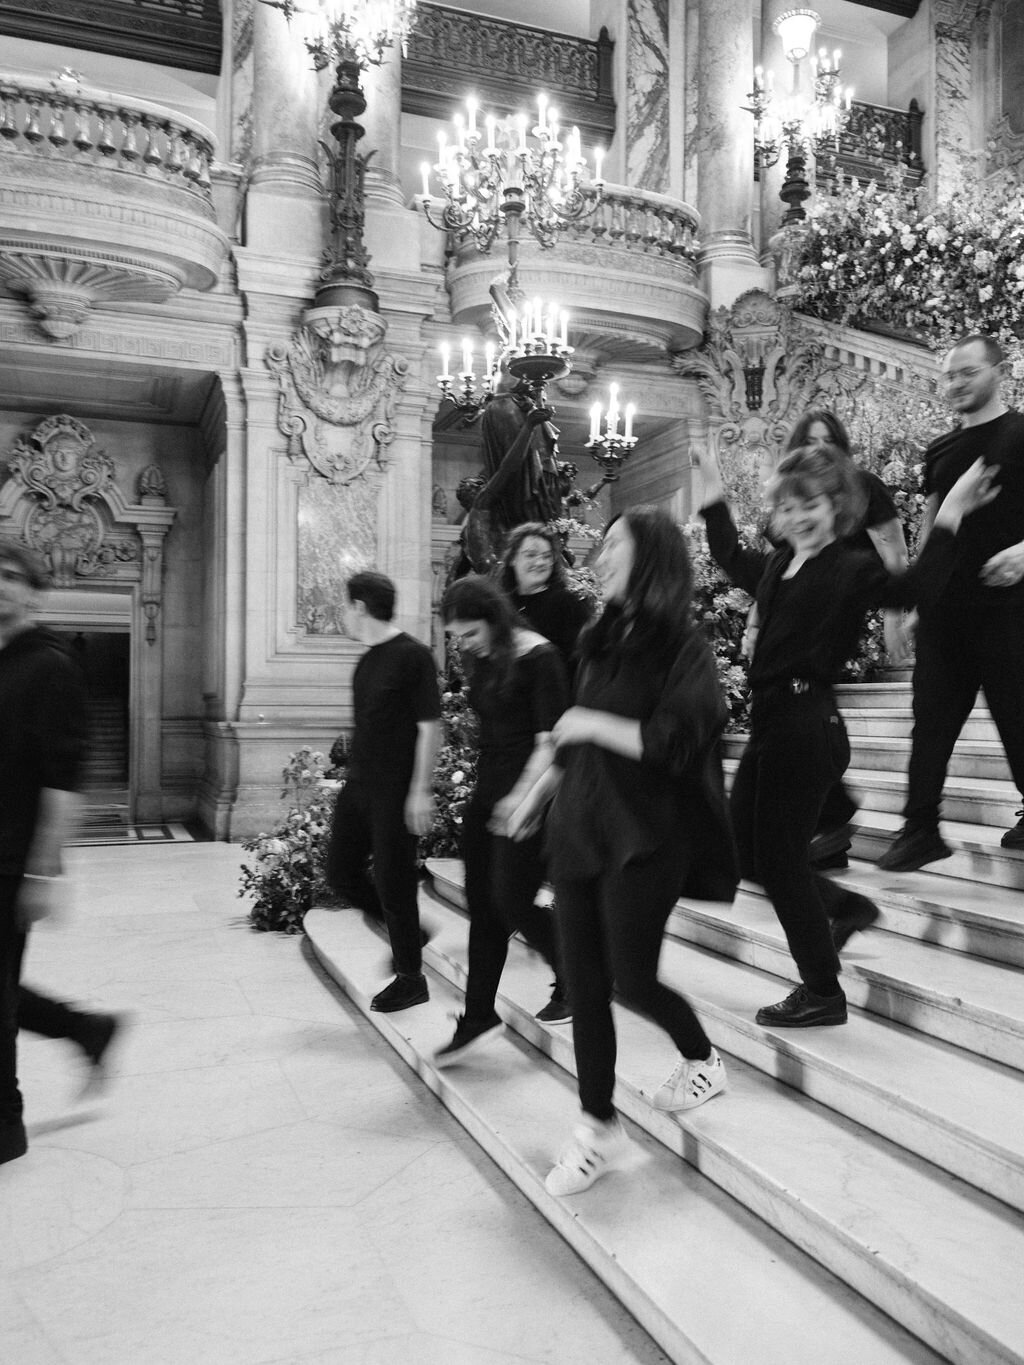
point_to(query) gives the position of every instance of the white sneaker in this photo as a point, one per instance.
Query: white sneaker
(691, 1083)
(593, 1149)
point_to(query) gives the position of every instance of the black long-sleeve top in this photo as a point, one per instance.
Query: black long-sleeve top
(809, 623)
(611, 810)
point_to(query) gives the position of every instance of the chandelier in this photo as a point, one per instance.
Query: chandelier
(610, 447)
(350, 35)
(806, 119)
(497, 175)
(534, 349)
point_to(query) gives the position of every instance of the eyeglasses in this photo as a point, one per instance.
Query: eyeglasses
(536, 558)
(953, 376)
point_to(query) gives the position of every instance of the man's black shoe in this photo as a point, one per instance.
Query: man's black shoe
(469, 1036)
(1014, 838)
(858, 913)
(832, 862)
(402, 994)
(803, 1009)
(912, 849)
(95, 1040)
(13, 1142)
(557, 1010)
(829, 845)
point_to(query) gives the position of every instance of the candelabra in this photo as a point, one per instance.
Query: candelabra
(500, 176)
(804, 121)
(351, 35)
(610, 448)
(535, 350)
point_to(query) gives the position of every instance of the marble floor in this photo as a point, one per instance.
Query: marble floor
(263, 1181)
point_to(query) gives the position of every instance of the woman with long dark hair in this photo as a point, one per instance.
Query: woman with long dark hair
(812, 596)
(533, 574)
(639, 818)
(518, 688)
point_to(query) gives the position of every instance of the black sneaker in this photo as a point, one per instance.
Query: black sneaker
(469, 1037)
(912, 849)
(402, 994)
(557, 1010)
(95, 1039)
(858, 913)
(803, 1009)
(1014, 838)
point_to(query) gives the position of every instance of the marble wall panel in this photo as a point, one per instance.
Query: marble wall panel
(647, 95)
(337, 536)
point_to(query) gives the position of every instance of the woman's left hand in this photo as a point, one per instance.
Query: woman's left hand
(575, 726)
(502, 812)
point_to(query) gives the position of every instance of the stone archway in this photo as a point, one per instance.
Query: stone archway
(60, 496)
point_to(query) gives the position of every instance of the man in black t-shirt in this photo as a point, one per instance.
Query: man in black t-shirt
(387, 799)
(974, 636)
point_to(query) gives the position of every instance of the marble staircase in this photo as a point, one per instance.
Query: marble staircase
(857, 1194)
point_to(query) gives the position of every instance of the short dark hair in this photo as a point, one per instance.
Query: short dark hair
(994, 354)
(837, 433)
(526, 529)
(376, 592)
(28, 561)
(823, 472)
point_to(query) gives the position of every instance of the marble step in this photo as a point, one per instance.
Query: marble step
(897, 723)
(884, 1222)
(976, 856)
(980, 760)
(976, 1005)
(969, 800)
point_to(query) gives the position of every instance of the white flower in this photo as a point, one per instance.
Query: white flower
(458, 777)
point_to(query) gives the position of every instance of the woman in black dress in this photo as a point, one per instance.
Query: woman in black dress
(518, 688)
(533, 575)
(812, 596)
(639, 819)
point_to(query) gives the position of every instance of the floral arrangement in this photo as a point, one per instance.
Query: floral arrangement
(880, 253)
(286, 876)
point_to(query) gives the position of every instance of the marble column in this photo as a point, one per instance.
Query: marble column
(952, 142)
(773, 59)
(726, 151)
(647, 95)
(284, 177)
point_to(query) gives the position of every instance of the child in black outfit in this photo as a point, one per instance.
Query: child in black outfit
(812, 596)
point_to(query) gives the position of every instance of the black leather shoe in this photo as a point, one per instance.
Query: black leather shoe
(1014, 838)
(828, 845)
(912, 849)
(13, 1142)
(858, 913)
(803, 1009)
(402, 994)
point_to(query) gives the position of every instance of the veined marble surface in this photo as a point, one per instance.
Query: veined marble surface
(647, 77)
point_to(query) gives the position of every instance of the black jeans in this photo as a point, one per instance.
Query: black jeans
(798, 749)
(977, 644)
(502, 881)
(610, 932)
(369, 821)
(12, 945)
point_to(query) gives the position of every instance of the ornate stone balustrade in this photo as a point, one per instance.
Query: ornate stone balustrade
(626, 272)
(877, 134)
(103, 199)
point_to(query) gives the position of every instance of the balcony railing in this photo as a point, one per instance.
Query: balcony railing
(640, 221)
(63, 120)
(185, 33)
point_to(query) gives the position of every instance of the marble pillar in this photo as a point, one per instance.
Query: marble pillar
(647, 95)
(285, 197)
(773, 59)
(954, 154)
(725, 151)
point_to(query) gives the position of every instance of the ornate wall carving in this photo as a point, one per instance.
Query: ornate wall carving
(337, 390)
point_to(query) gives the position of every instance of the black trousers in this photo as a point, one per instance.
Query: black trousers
(12, 946)
(502, 881)
(369, 822)
(798, 749)
(610, 930)
(976, 644)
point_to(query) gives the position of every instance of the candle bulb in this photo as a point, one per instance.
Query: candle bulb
(446, 352)
(598, 161)
(563, 340)
(512, 334)
(521, 124)
(542, 112)
(549, 330)
(758, 77)
(595, 421)
(426, 179)
(488, 366)
(489, 125)
(471, 106)
(538, 319)
(467, 357)
(627, 430)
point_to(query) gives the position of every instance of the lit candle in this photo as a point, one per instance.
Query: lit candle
(549, 328)
(771, 84)
(467, 357)
(426, 179)
(613, 409)
(538, 319)
(627, 430)
(489, 125)
(488, 365)
(542, 112)
(446, 352)
(849, 96)
(574, 148)
(835, 58)
(598, 159)
(460, 131)
(527, 319)
(758, 77)
(595, 421)
(512, 333)
(521, 125)
(553, 124)
(564, 338)
(472, 107)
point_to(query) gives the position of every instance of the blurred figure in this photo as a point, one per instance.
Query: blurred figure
(533, 575)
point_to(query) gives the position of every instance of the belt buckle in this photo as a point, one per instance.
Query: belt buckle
(798, 686)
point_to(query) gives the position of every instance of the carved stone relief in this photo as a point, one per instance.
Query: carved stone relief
(337, 389)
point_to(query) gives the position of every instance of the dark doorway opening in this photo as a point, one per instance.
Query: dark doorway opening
(106, 663)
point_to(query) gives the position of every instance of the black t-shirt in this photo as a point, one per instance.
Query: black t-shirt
(394, 687)
(534, 695)
(557, 614)
(880, 509)
(42, 735)
(1000, 524)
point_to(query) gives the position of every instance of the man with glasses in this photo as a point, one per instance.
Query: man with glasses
(973, 637)
(42, 733)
